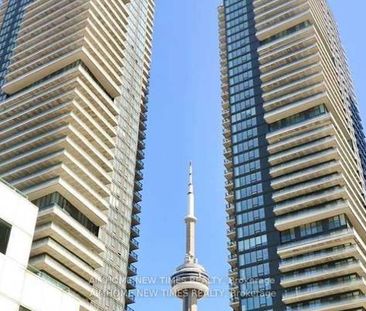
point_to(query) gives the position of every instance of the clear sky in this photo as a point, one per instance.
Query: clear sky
(185, 124)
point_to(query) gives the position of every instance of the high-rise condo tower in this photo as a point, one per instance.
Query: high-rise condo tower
(74, 83)
(295, 159)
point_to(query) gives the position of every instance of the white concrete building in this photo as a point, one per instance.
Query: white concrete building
(23, 287)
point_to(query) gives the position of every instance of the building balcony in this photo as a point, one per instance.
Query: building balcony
(226, 116)
(229, 196)
(278, 79)
(131, 283)
(281, 22)
(228, 162)
(227, 142)
(229, 185)
(235, 302)
(140, 154)
(290, 59)
(142, 125)
(55, 214)
(63, 236)
(324, 274)
(265, 8)
(231, 233)
(132, 270)
(311, 215)
(278, 145)
(63, 256)
(308, 187)
(316, 292)
(139, 165)
(225, 96)
(130, 298)
(141, 145)
(142, 135)
(233, 273)
(335, 238)
(233, 260)
(310, 200)
(305, 94)
(135, 232)
(137, 197)
(228, 174)
(143, 116)
(309, 260)
(134, 244)
(311, 150)
(133, 257)
(231, 246)
(135, 220)
(356, 303)
(225, 104)
(228, 153)
(230, 220)
(139, 175)
(288, 93)
(61, 273)
(226, 132)
(136, 208)
(226, 122)
(138, 186)
(288, 15)
(306, 174)
(230, 209)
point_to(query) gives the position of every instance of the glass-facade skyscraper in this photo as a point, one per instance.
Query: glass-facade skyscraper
(74, 81)
(294, 159)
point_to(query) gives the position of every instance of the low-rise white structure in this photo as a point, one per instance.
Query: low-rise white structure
(21, 287)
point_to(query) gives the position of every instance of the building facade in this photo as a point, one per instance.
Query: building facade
(74, 83)
(294, 159)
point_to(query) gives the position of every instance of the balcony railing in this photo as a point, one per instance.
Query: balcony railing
(137, 197)
(136, 208)
(132, 269)
(136, 219)
(317, 288)
(131, 298)
(135, 230)
(140, 154)
(48, 278)
(134, 243)
(131, 282)
(133, 256)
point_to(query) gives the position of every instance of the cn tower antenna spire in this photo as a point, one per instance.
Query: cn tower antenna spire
(190, 192)
(190, 221)
(190, 282)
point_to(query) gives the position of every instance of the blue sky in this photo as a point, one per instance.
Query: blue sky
(185, 124)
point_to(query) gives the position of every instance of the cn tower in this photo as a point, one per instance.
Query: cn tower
(190, 281)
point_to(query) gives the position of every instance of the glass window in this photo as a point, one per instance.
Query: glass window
(252, 243)
(288, 235)
(253, 257)
(5, 230)
(310, 229)
(337, 221)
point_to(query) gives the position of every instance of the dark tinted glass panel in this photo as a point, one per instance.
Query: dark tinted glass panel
(5, 229)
